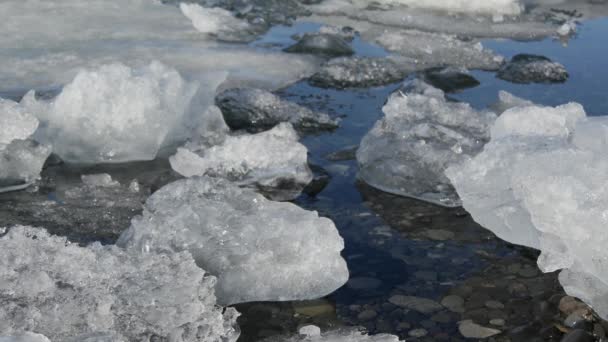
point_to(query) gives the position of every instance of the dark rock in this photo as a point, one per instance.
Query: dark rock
(322, 44)
(450, 79)
(256, 110)
(532, 69)
(319, 181)
(578, 335)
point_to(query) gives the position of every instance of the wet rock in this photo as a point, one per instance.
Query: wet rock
(470, 329)
(578, 320)
(450, 79)
(578, 335)
(348, 153)
(453, 303)
(494, 304)
(439, 234)
(568, 305)
(426, 275)
(361, 72)
(256, 110)
(363, 283)
(322, 44)
(422, 305)
(525, 68)
(319, 181)
(497, 322)
(528, 272)
(314, 308)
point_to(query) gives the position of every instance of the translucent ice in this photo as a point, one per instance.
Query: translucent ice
(215, 21)
(421, 133)
(272, 161)
(25, 337)
(260, 250)
(107, 290)
(21, 159)
(541, 182)
(115, 113)
(506, 7)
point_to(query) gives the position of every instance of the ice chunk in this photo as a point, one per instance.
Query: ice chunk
(323, 44)
(216, 21)
(272, 161)
(257, 109)
(101, 179)
(260, 250)
(115, 113)
(507, 100)
(21, 159)
(341, 335)
(131, 295)
(421, 134)
(532, 69)
(363, 72)
(541, 182)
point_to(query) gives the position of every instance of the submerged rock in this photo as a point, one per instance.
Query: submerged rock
(256, 110)
(260, 250)
(273, 162)
(541, 182)
(450, 79)
(67, 292)
(340, 335)
(525, 68)
(421, 134)
(361, 72)
(470, 329)
(322, 44)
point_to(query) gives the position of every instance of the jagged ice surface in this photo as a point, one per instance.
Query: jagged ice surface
(421, 134)
(272, 161)
(115, 113)
(260, 250)
(541, 182)
(129, 296)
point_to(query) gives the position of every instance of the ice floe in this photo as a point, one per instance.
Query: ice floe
(541, 182)
(260, 250)
(67, 292)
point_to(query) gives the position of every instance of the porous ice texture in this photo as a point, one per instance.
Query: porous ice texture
(114, 113)
(21, 159)
(422, 133)
(341, 335)
(362, 72)
(532, 69)
(259, 250)
(541, 182)
(256, 109)
(63, 291)
(273, 162)
(52, 40)
(25, 337)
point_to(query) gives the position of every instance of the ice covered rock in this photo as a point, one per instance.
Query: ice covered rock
(273, 162)
(450, 79)
(21, 159)
(322, 44)
(64, 291)
(259, 250)
(532, 69)
(422, 133)
(340, 335)
(257, 109)
(541, 182)
(115, 113)
(362, 72)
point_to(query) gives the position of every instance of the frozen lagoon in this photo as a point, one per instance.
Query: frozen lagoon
(401, 263)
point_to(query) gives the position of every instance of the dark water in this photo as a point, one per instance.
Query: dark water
(399, 246)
